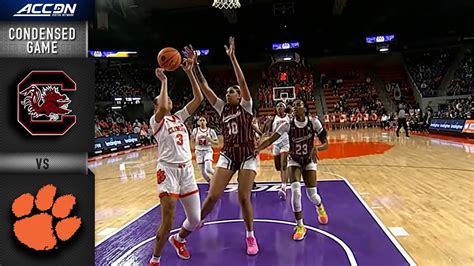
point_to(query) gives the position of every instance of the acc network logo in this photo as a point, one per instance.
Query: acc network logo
(47, 10)
(43, 106)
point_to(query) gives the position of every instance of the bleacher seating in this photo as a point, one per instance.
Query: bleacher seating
(395, 76)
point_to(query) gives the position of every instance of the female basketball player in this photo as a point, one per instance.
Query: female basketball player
(204, 138)
(175, 173)
(238, 153)
(280, 147)
(302, 161)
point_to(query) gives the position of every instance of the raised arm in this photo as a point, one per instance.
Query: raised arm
(194, 104)
(244, 89)
(163, 103)
(208, 92)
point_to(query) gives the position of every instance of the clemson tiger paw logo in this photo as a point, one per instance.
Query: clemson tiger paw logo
(36, 231)
(160, 176)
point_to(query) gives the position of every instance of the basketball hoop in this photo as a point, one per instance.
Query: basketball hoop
(226, 4)
(284, 98)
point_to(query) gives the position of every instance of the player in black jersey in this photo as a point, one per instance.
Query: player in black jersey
(302, 161)
(238, 153)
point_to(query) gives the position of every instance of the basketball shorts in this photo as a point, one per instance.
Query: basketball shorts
(250, 163)
(203, 155)
(176, 180)
(312, 166)
(280, 148)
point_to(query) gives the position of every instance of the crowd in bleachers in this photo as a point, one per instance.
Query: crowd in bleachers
(354, 102)
(460, 108)
(110, 123)
(109, 83)
(427, 68)
(146, 80)
(462, 82)
(288, 74)
(417, 120)
(351, 93)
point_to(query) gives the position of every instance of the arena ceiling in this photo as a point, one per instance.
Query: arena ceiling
(141, 23)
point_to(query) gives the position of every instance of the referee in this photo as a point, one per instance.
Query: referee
(402, 121)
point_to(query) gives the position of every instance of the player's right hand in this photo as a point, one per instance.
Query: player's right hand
(187, 65)
(160, 74)
(230, 50)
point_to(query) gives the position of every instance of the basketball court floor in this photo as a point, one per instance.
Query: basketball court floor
(390, 202)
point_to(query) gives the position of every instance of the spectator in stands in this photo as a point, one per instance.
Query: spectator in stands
(427, 69)
(462, 82)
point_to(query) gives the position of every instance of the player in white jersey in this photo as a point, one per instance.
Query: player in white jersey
(175, 172)
(204, 138)
(280, 147)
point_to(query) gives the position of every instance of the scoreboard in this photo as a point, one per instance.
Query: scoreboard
(47, 118)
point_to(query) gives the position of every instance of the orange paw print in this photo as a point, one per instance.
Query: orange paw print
(36, 232)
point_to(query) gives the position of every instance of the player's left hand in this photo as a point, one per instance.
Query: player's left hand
(230, 50)
(191, 54)
(160, 74)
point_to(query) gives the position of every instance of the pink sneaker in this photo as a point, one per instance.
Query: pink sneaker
(252, 246)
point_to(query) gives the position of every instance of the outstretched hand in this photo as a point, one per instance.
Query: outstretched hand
(230, 50)
(187, 65)
(160, 74)
(191, 54)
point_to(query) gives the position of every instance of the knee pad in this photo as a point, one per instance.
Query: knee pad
(313, 196)
(191, 222)
(193, 212)
(296, 196)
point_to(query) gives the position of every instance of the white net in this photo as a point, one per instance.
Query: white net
(226, 4)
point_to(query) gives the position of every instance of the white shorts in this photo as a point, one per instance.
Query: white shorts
(227, 163)
(203, 155)
(280, 148)
(312, 166)
(176, 180)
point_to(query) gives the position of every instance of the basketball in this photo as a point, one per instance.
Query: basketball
(169, 59)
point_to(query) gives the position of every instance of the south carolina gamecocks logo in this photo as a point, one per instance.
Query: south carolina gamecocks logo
(43, 106)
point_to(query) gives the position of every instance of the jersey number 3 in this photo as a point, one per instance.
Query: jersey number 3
(180, 139)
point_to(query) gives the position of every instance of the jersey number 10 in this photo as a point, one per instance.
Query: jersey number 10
(233, 128)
